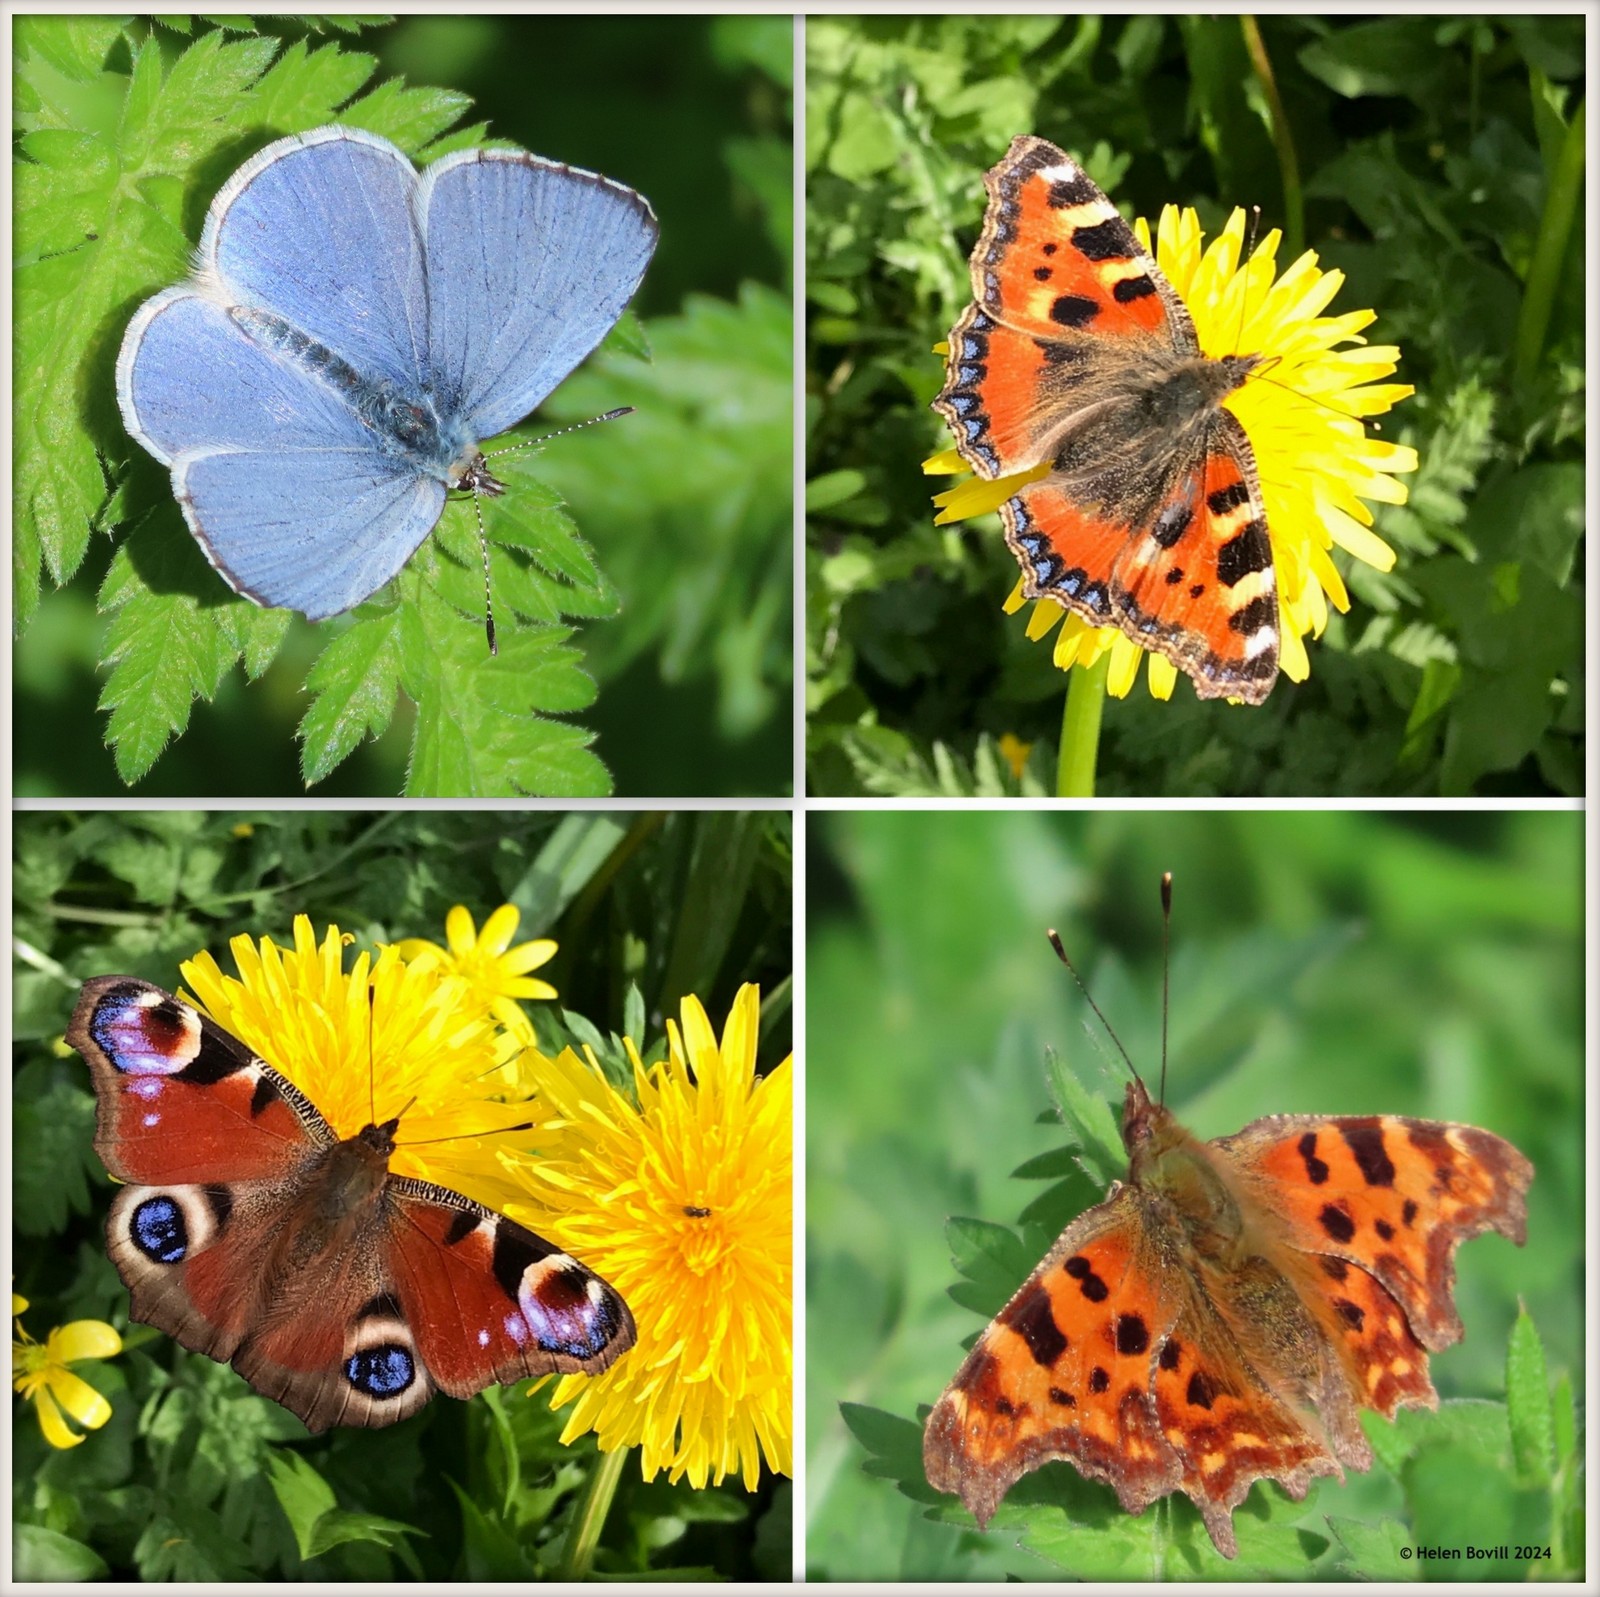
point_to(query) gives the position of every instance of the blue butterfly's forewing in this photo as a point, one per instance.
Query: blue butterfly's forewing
(530, 264)
(321, 230)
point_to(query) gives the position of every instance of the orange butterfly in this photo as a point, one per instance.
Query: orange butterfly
(1076, 350)
(1229, 1309)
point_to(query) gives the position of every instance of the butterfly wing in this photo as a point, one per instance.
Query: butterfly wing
(530, 263)
(435, 1293)
(1184, 570)
(1064, 1372)
(1393, 1198)
(208, 1140)
(322, 229)
(489, 1301)
(1063, 294)
(275, 472)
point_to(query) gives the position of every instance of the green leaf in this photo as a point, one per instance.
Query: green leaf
(1528, 1408)
(353, 688)
(319, 1524)
(41, 1554)
(479, 730)
(53, 1158)
(578, 848)
(164, 647)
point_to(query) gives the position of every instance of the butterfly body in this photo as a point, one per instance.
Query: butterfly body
(1224, 1315)
(1077, 355)
(250, 1232)
(352, 331)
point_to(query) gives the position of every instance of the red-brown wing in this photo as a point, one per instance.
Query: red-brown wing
(489, 1301)
(178, 1100)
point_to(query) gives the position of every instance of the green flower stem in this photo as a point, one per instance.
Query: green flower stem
(584, 1534)
(1294, 200)
(1561, 197)
(1080, 729)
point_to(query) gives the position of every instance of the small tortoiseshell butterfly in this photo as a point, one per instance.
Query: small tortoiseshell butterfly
(1077, 351)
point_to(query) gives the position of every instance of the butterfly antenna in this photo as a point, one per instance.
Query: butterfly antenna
(488, 597)
(372, 1069)
(463, 1136)
(1061, 954)
(561, 432)
(1166, 968)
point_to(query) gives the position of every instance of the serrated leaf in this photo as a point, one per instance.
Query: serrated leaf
(52, 1149)
(1089, 1120)
(353, 685)
(163, 649)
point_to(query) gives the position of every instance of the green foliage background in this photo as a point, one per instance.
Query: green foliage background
(1427, 965)
(650, 652)
(197, 1478)
(1437, 162)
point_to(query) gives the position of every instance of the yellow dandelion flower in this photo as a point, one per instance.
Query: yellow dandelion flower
(1303, 410)
(363, 1043)
(682, 1202)
(496, 972)
(40, 1374)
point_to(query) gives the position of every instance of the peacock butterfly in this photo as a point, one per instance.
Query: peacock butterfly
(250, 1232)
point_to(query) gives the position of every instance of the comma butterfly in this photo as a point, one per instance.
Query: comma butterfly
(1227, 1311)
(1079, 353)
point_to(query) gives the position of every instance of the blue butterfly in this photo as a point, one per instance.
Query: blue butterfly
(352, 330)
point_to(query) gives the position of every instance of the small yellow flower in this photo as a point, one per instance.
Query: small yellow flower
(683, 1203)
(363, 1043)
(1304, 415)
(1014, 752)
(41, 1375)
(496, 972)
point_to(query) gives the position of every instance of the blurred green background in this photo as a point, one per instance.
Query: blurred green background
(687, 505)
(1423, 964)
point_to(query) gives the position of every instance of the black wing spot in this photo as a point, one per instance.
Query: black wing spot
(1337, 1223)
(1247, 551)
(1316, 1169)
(1074, 310)
(1371, 1154)
(1133, 1335)
(1032, 1320)
(1089, 1284)
(1110, 240)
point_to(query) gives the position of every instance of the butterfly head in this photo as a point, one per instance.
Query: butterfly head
(379, 1138)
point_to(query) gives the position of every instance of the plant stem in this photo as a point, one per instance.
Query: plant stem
(584, 1534)
(1294, 202)
(1563, 189)
(1080, 730)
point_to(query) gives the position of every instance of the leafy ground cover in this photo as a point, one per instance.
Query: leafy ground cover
(1437, 163)
(642, 572)
(196, 1477)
